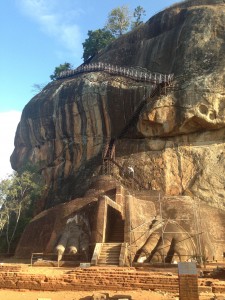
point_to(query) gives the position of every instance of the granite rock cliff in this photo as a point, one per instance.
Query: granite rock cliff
(177, 145)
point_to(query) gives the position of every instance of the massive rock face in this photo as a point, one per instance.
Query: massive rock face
(156, 228)
(64, 128)
(177, 145)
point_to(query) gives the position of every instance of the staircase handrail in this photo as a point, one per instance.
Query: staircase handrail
(133, 117)
(95, 256)
(123, 254)
(131, 72)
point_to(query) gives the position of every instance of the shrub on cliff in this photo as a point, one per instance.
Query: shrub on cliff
(62, 67)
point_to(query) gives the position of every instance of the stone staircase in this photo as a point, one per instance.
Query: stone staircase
(117, 232)
(110, 253)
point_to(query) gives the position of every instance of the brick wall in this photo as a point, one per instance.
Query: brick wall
(101, 278)
(188, 287)
(90, 279)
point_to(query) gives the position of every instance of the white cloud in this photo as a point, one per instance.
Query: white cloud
(57, 19)
(8, 124)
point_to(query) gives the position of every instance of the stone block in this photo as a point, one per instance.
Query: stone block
(85, 265)
(204, 289)
(100, 296)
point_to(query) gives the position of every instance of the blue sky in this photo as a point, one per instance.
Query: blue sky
(38, 35)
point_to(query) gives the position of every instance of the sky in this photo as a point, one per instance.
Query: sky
(38, 35)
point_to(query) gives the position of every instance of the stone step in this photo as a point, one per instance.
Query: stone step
(117, 248)
(103, 253)
(108, 259)
(111, 249)
(110, 253)
(111, 244)
(108, 262)
(107, 255)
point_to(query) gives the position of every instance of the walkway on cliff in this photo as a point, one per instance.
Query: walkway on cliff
(136, 73)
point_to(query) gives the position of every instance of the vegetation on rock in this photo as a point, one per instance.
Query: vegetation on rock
(62, 67)
(138, 14)
(96, 40)
(18, 193)
(118, 20)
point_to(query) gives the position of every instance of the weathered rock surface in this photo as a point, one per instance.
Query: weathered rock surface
(64, 128)
(178, 143)
(176, 227)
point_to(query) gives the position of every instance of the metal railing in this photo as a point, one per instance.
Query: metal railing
(136, 73)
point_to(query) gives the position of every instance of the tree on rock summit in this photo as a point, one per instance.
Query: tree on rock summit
(118, 20)
(97, 40)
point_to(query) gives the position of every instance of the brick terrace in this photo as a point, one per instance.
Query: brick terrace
(96, 278)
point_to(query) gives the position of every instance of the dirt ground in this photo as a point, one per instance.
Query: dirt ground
(69, 295)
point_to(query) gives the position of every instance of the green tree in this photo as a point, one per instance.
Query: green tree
(4, 184)
(138, 14)
(62, 67)
(97, 40)
(119, 20)
(18, 193)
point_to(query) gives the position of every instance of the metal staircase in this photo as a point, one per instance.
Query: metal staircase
(108, 155)
(136, 73)
(109, 151)
(133, 118)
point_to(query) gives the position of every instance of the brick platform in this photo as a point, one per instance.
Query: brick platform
(97, 278)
